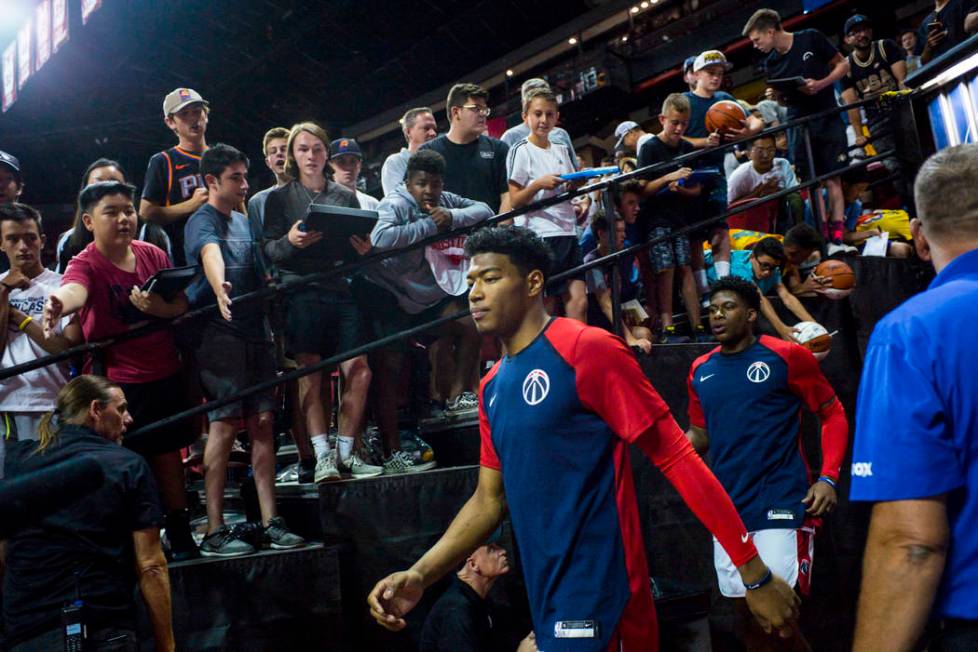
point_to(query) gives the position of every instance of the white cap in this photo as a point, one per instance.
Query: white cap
(622, 129)
(711, 58)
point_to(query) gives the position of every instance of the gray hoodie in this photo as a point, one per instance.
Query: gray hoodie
(401, 223)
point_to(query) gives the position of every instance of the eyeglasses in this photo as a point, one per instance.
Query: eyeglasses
(481, 110)
(767, 267)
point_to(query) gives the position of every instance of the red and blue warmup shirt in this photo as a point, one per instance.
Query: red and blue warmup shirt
(750, 403)
(556, 419)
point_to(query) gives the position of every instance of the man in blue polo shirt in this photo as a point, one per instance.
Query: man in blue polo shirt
(916, 446)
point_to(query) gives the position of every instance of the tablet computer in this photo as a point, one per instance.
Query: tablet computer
(337, 224)
(169, 282)
(786, 84)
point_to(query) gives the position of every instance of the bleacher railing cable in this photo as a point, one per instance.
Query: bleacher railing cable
(347, 269)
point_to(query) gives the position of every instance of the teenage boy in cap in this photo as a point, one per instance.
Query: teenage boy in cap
(629, 137)
(11, 183)
(875, 67)
(174, 189)
(346, 161)
(808, 54)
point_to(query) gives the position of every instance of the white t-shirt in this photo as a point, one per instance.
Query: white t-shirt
(367, 202)
(33, 391)
(529, 162)
(745, 178)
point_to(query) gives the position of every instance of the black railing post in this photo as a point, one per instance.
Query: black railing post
(608, 200)
(818, 202)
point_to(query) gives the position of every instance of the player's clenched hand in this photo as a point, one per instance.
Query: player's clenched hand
(53, 308)
(775, 605)
(820, 499)
(393, 597)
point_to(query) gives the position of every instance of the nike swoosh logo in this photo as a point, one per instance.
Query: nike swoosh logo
(702, 378)
(180, 167)
(744, 537)
(492, 400)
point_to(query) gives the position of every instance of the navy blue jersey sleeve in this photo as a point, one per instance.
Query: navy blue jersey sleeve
(891, 51)
(156, 183)
(904, 446)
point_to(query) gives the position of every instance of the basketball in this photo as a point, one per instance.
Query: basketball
(725, 115)
(813, 337)
(843, 278)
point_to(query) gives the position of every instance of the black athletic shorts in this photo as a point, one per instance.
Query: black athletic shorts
(151, 402)
(228, 363)
(384, 317)
(322, 322)
(567, 255)
(830, 147)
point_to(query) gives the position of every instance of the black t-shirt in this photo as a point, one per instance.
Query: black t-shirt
(461, 621)
(171, 177)
(91, 536)
(952, 17)
(668, 209)
(476, 170)
(808, 57)
(874, 76)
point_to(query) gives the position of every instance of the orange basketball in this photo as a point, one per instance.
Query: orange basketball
(843, 278)
(725, 115)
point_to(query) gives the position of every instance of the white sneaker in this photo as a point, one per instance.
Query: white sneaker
(326, 470)
(358, 468)
(401, 462)
(464, 403)
(833, 249)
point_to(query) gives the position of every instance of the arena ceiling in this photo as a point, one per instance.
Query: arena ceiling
(259, 62)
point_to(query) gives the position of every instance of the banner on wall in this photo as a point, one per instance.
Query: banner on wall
(25, 54)
(42, 33)
(59, 23)
(88, 8)
(9, 75)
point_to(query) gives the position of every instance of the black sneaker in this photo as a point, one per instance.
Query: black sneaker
(278, 536)
(180, 542)
(225, 542)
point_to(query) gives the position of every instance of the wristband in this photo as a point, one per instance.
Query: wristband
(26, 321)
(768, 576)
(827, 480)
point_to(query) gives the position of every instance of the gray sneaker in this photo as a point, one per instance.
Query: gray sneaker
(326, 470)
(465, 403)
(278, 536)
(401, 462)
(222, 542)
(357, 468)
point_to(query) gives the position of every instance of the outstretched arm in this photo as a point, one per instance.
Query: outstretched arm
(398, 593)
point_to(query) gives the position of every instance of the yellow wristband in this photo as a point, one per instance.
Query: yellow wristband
(26, 321)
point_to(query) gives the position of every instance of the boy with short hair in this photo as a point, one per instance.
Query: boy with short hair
(676, 207)
(174, 189)
(273, 145)
(25, 398)
(103, 284)
(233, 349)
(535, 165)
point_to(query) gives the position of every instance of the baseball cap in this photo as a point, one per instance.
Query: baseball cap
(179, 98)
(622, 129)
(342, 146)
(711, 58)
(855, 21)
(11, 162)
(688, 64)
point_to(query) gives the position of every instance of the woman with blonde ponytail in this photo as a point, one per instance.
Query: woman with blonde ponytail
(90, 547)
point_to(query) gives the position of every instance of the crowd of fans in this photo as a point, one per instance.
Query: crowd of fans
(194, 209)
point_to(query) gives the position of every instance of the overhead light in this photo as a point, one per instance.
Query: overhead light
(572, 40)
(509, 72)
(633, 10)
(645, 4)
(624, 39)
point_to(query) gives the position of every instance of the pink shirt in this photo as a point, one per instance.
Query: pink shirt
(109, 312)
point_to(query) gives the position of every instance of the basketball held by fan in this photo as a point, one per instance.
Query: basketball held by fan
(842, 280)
(725, 116)
(814, 337)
